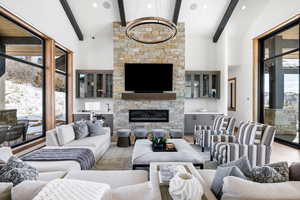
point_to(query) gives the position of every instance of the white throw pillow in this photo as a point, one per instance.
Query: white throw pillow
(142, 191)
(65, 134)
(5, 191)
(238, 189)
(5, 154)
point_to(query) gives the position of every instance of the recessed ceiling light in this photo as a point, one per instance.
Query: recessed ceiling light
(205, 6)
(149, 5)
(243, 7)
(106, 5)
(95, 5)
(193, 6)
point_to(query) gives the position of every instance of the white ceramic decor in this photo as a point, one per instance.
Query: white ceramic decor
(185, 186)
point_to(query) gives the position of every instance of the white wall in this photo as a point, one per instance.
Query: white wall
(240, 54)
(48, 17)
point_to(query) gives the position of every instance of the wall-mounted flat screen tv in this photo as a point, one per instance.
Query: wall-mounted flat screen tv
(148, 78)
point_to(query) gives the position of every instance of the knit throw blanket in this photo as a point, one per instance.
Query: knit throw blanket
(83, 156)
(65, 189)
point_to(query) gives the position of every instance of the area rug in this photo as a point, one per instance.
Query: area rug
(119, 158)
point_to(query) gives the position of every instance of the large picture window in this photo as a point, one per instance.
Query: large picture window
(279, 83)
(21, 84)
(60, 86)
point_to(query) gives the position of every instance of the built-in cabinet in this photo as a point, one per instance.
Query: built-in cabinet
(202, 84)
(94, 83)
(190, 120)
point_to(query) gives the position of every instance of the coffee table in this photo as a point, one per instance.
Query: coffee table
(164, 189)
(143, 154)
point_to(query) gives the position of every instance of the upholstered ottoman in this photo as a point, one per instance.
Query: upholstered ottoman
(176, 133)
(140, 133)
(159, 133)
(123, 138)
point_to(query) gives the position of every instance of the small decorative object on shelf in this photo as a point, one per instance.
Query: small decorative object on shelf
(185, 186)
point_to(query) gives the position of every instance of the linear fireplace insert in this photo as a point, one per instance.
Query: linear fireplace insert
(148, 115)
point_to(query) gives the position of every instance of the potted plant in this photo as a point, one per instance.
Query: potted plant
(158, 143)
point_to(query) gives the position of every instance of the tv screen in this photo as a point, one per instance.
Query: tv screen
(148, 77)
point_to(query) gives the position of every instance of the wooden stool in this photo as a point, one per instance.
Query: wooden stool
(123, 138)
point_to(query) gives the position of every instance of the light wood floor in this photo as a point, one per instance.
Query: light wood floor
(284, 153)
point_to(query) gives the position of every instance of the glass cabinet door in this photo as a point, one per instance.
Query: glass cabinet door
(196, 84)
(99, 88)
(108, 85)
(188, 86)
(205, 85)
(90, 85)
(81, 85)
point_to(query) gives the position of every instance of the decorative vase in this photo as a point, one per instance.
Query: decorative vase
(184, 186)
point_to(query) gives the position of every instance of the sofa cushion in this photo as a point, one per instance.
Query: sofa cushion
(221, 173)
(238, 189)
(80, 129)
(95, 129)
(27, 190)
(5, 154)
(49, 176)
(65, 134)
(294, 171)
(142, 191)
(93, 142)
(243, 164)
(113, 178)
(5, 190)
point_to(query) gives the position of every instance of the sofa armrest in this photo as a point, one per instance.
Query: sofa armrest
(107, 131)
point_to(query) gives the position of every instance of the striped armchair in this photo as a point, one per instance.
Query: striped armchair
(223, 125)
(253, 140)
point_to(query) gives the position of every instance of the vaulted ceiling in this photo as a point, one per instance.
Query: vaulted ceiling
(202, 17)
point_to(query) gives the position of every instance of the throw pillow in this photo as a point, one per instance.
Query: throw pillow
(5, 189)
(16, 171)
(81, 130)
(243, 164)
(283, 169)
(18, 175)
(272, 173)
(95, 129)
(265, 174)
(239, 189)
(221, 173)
(65, 134)
(5, 154)
(295, 171)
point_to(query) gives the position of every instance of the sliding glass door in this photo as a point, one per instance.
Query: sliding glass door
(279, 83)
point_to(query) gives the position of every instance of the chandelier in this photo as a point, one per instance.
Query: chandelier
(157, 30)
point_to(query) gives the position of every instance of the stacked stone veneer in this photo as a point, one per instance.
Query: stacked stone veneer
(129, 51)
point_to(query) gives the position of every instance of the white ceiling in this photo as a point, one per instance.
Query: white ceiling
(201, 21)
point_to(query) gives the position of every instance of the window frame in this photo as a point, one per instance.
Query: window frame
(260, 76)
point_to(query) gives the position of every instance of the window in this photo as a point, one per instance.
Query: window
(21, 84)
(279, 83)
(60, 86)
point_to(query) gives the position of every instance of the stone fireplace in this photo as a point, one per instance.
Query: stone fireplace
(128, 51)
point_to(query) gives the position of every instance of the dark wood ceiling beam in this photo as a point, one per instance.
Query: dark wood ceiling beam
(20, 40)
(72, 19)
(225, 19)
(176, 11)
(122, 12)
